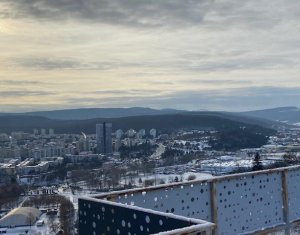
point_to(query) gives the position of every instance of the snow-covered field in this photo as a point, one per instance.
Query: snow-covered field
(33, 230)
(169, 178)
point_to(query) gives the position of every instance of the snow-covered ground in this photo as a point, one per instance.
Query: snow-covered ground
(159, 178)
(193, 145)
(66, 191)
(222, 166)
(294, 231)
(30, 230)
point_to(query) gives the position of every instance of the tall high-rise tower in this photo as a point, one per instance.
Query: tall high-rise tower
(103, 138)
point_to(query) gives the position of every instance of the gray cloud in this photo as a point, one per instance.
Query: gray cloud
(238, 99)
(25, 107)
(234, 99)
(154, 13)
(73, 64)
(129, 92)
(236, 63)
(42, 63)
(121, 12)
(20, 82)
(47, 63)
(123, 101)
(168, 83)
(227, 64)
(21, 93)
(219, 81)
(272, 61)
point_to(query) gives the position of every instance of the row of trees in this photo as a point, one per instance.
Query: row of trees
(235, 139)
(137, 151)
(288, 160)
(175, 156)
(112, 177)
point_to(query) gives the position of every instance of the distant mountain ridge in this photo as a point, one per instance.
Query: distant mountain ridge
(275, 114)
(90, 113)
(290, 115)
(164, 123)
(267, 118)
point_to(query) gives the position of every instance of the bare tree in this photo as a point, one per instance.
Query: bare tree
(67, 216)
(115, 174)
(30, 219)
(54, 226)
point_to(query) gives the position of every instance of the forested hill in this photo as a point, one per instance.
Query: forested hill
(164, 123)
(290, 115)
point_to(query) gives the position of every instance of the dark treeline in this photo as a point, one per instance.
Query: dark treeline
(231, 140)
(10, 193)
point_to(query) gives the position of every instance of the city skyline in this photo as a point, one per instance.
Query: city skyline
(191, 55)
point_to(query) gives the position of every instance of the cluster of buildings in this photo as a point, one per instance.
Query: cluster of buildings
(286, 141)
(108, 142)
(29, 157)
(24, 154)
(27, 171)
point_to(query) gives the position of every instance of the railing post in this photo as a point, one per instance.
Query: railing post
(285, 198)
(214, 206)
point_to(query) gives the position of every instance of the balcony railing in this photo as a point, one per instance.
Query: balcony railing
(248, 203)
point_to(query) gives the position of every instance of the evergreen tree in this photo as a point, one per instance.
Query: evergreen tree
(257, 163)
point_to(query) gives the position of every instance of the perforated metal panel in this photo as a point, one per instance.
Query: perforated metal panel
(293, 185)
(105, 219)
(191, 200)
(248, 203)
(238, 204)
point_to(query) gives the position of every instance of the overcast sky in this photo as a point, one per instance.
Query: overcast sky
(187, 54)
